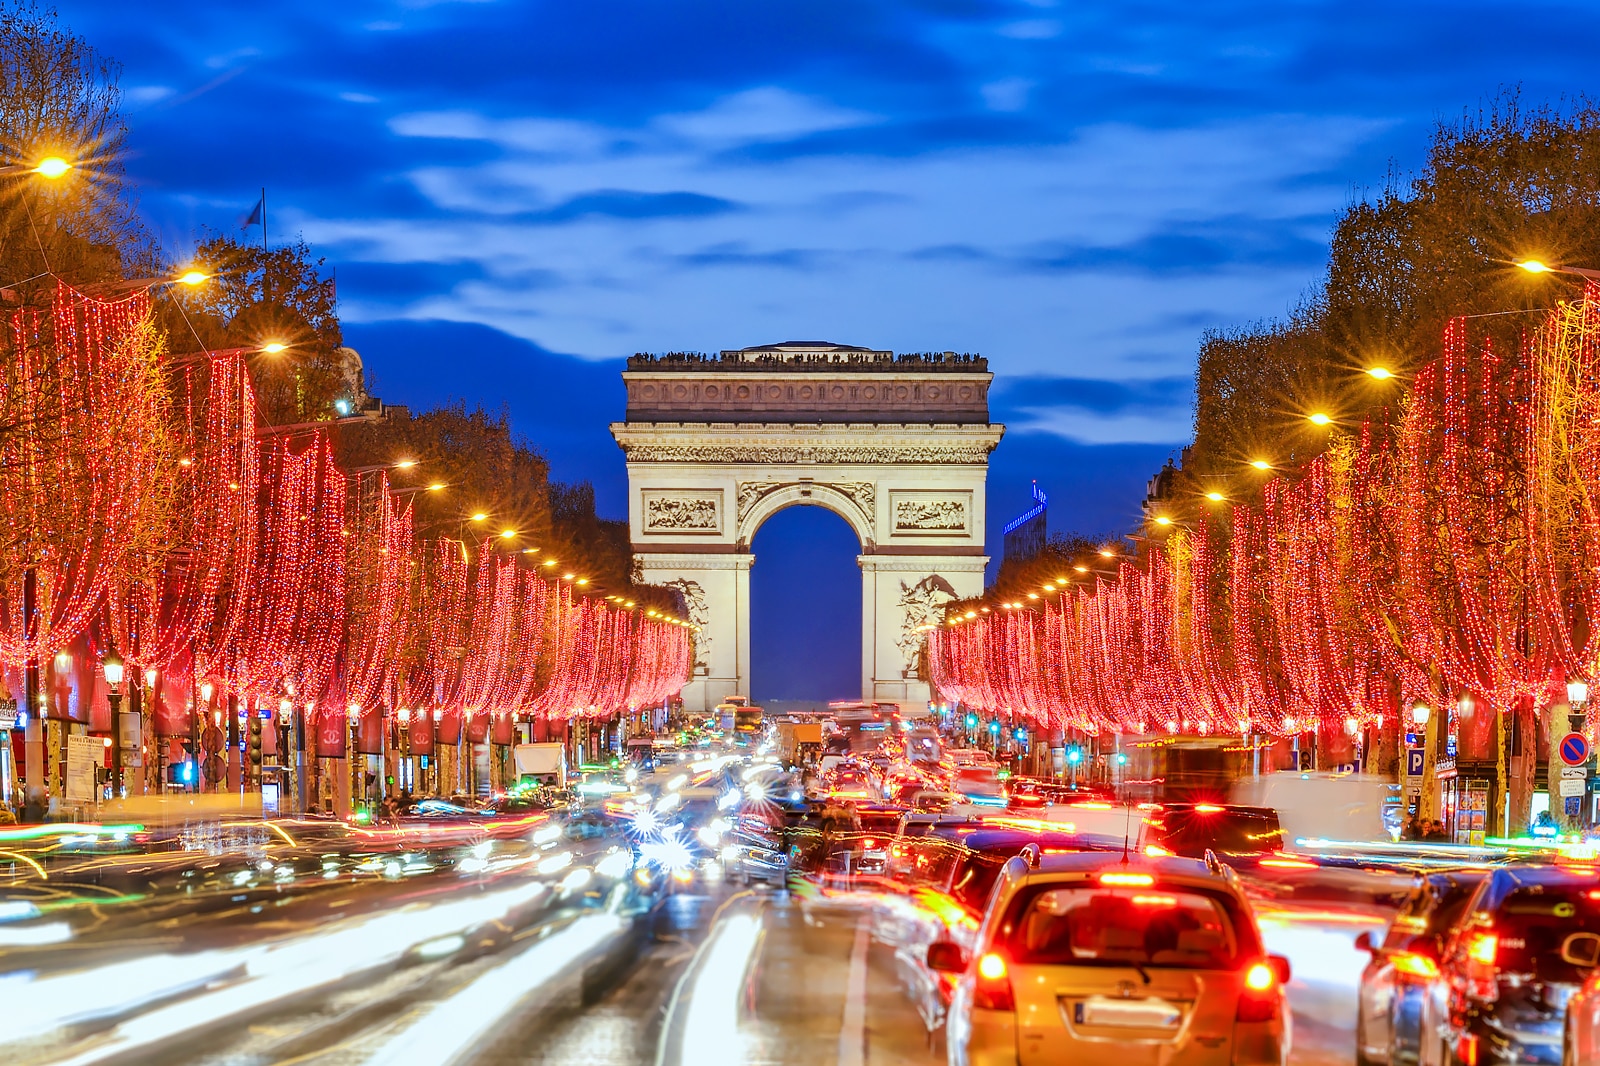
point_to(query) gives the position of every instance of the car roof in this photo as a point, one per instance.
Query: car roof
(1555, 874)
(1097, 861)
(977, 837)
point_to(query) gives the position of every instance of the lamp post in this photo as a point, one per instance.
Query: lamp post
(113, 666)
(1577, 696)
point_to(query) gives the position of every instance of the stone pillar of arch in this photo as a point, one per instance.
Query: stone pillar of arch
(897, 446)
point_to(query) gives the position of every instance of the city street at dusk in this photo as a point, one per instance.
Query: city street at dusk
(979, 533)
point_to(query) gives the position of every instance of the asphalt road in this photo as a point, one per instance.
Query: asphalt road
(514, 971)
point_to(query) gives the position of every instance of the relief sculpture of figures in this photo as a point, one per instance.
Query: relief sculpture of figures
(921, 605)
(930, 514)
(669, 512)
(694, 601)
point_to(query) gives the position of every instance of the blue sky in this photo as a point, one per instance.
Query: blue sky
(516, 195)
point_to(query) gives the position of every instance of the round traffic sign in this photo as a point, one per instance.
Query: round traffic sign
(1574, 749)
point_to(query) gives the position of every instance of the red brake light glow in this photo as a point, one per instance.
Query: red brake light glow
(1207, 808)
(992, 967)
(1260, 978)
(1156, 851)
(1483, 948)
(1155, 901)
(1289, 864)
(1131, 880)
(1416, 965)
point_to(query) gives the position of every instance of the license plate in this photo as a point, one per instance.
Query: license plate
(1127, 1013)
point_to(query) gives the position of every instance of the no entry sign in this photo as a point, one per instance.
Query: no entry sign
(1574, 749)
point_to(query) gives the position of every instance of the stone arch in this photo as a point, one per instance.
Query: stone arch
(779, 497)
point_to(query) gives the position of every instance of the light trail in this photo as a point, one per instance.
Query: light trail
(711, 1027)
(456, 1024)
(267, 974)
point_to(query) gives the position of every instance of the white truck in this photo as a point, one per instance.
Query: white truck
(545, 763)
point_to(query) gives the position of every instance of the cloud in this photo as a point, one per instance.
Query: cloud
(358, 98)
(1031, 29)
(1007, 94)
(769, 113)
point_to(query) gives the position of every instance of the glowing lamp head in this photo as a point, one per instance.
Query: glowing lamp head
(1317, 418)
(1163, 520)
(274, 347)
(192, 277)
(52, 167)
(1420, 713)
(1215, 497)
(1381, 373)
(206, 690)
(507, 534)
(113, 665)
(1577, 690)
(1261, 464)
(1534, 266)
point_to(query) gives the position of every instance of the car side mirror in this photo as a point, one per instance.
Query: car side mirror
(1582, 950)
(1280, 968)
(946, 957)
(1364, 943)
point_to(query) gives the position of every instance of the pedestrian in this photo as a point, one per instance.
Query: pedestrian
(34, 806)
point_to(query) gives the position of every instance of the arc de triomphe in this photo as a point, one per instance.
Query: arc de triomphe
(898, 446)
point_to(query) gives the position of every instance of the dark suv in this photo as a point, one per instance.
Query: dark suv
(1502, 990)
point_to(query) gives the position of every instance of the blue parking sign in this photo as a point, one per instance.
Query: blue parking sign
(1413, 762)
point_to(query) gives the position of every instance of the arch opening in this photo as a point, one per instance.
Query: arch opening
(805, 608)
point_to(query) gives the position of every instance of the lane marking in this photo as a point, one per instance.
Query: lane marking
(853, 1029)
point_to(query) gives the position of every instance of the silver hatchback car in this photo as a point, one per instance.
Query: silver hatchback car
(1101, 958)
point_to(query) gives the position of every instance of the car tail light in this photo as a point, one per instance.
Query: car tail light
(992, 988)
(1483, 948)
(1156, 851)
(1416, 965)
(1129, 880)
(1259, 999)
(1207, 808)
(869, 843)
(1467, 1050)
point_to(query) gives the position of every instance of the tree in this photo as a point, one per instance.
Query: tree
(1507, 184)
(255, 297)
(58, 96)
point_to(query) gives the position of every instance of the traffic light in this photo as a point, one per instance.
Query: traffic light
(972, 721)
(1074, 755)
(1306, 761)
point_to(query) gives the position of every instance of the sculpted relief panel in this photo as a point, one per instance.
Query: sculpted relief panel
(940, 514)
(683, 512)
(964, 454)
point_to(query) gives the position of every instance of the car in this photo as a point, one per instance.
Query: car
(1235, 833)
(1389, 1013)
(1504, 979)
(1090, 957)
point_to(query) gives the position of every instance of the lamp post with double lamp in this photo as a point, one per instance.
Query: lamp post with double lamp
(113, 666)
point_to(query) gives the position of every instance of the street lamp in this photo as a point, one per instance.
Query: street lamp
(1419, 713)
(1577, 696)
(114, 668)
(1535, 266)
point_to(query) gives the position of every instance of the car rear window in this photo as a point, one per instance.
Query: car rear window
(1192, 833)
(1530, 924)
(1097, 925)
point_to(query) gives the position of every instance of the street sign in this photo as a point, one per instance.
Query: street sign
(1578, 772)
(1574, 749)
(1414, 762)
(1573, 786)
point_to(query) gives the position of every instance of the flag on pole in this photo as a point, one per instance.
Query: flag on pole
(254, 218)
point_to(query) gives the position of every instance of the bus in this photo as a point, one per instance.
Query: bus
(736, 715)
